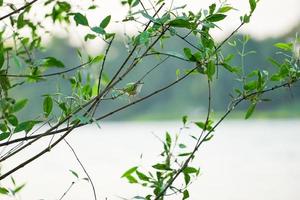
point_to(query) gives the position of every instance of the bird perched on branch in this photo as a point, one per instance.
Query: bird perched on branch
(132, 89)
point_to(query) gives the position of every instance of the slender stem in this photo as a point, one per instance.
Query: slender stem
(67, 191)
(103, 64)
(18, 10)
(83, 168)
(46, 75)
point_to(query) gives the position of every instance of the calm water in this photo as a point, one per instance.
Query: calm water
(245, 160)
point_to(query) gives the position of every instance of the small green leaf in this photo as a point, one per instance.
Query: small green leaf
(142, 38)
(129, 172)
(131, 179)
(19, 105)
(182, 146)
(284, 46)
(3, 191)
(211, 69)
(4, 135)
(18, 189)
(190, 170)
(186, 195)
(252, 5)
(13, 120)
(3, 127)
(215, 17)
(180, 23)
(188, 53)
(250, 110)
(74, 173)
(52, 62)
(97, 59)
(25, 126)
(208, 138)
(160, 166)
(81, 19)
(98, 30)
(187, 178)
(184, 119)
(225, 9)
(2, 59)
(142, 176)
(47, 105)
(168, 140)
(105, 22)
(89, 37)
(185, 154)
(251, 85)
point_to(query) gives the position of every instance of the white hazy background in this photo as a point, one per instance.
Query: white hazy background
(245, 160)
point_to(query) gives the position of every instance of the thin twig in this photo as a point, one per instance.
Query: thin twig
(67, 191)
(83, 168)
(18, 10)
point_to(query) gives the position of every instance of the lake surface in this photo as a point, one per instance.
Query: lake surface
(245, 160)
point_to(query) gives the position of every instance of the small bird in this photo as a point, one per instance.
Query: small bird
(133, 88)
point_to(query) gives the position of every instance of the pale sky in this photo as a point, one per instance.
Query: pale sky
(271, 18)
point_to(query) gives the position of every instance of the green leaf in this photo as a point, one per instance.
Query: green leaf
(252, 5)
(89, 37)
(97, 59)
(98, 30)
(142, 38)
(52, 62)
(251, 85)
(13, 120)
(203, 126)
(190, 170)
(208, 138)
(225, 9)
(133, 3)
(4, 135)
(211, 69)
(1, 2)
(284, 46)
(180, 23)
(186, 195)
(188, 53)
(215, 17)
(131, 179)
(20, 21)
(245, 18)
(2, 59)
(19, 105)
(182, 146)
(81, 19)
(142, 176)
(250, 110)
(3, 127)
(160, 166)
(212, 8)
(25, 126)
(184, 119)
(129, 172)
(18, 189)
(47, 105)
(105, 22)
(168, 140)
(74, 173)
(187, 178)
(185, 154)
(2, 189)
